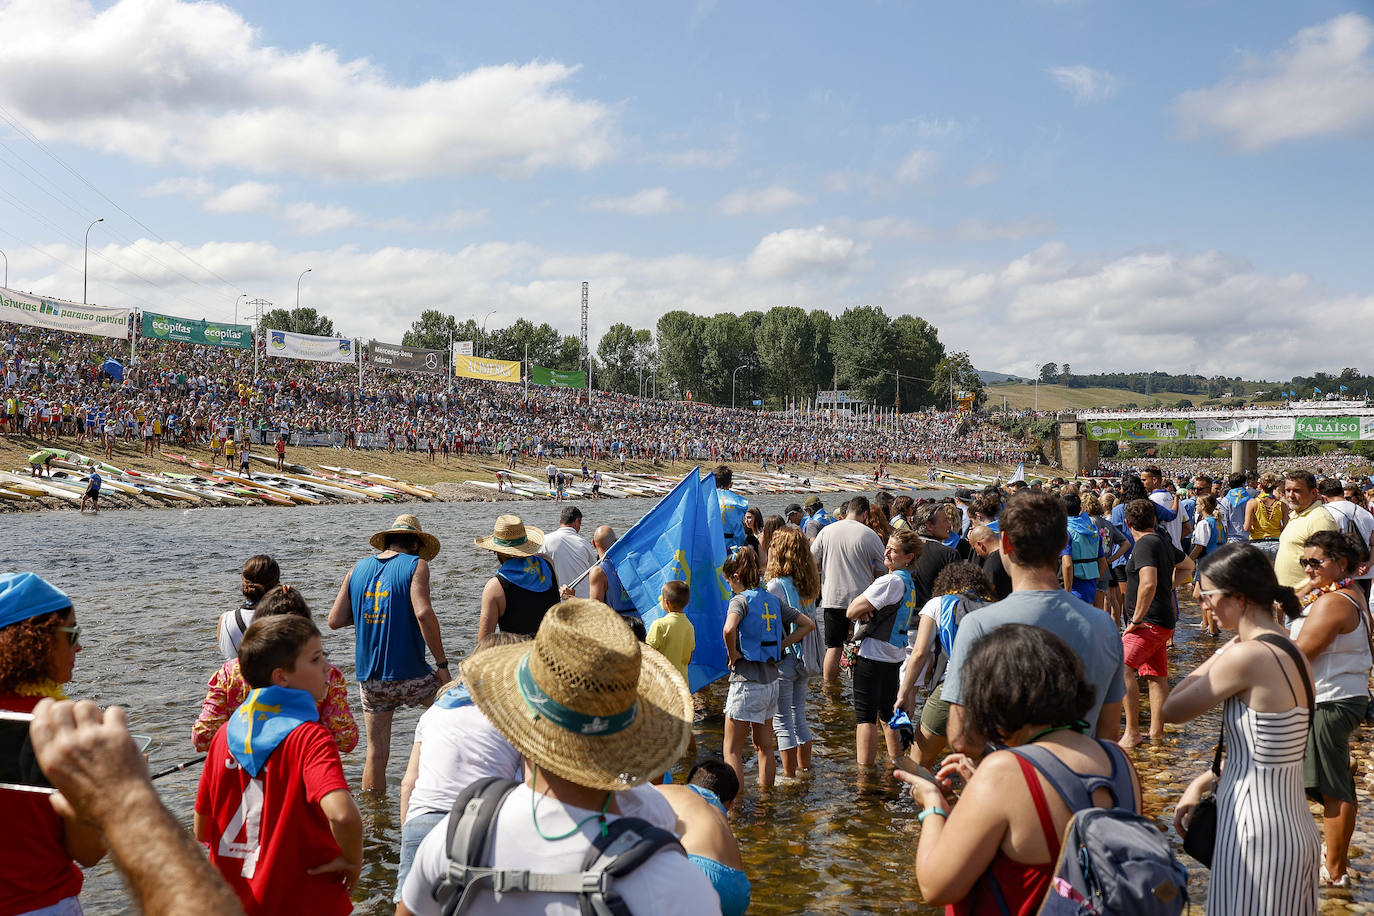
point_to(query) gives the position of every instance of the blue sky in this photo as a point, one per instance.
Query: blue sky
(1162, 186)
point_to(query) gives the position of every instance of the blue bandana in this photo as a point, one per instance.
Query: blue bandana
(263, 722)
(534, 574)
(452, 699)
(24, 596)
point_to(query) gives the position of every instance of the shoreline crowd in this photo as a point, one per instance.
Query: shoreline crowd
(1026, 630)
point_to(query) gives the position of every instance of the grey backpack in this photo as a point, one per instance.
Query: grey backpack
(1112, 861)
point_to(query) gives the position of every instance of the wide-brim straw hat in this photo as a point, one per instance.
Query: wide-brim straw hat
(408, 524)
(511, 536)
(585, 701)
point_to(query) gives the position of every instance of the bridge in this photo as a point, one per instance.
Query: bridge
(1319, 421)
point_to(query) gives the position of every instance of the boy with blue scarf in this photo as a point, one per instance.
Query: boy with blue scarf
(273, 806)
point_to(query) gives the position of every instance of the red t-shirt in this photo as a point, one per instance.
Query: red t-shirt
(267, 832)
(35, 868)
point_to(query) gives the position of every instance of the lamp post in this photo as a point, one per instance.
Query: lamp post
(296, 313)
(482, 340)
(85, 257)
(732, 383)
(236, 307)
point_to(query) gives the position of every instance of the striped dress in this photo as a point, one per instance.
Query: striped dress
(1267, 853)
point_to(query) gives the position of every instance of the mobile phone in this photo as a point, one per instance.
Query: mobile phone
(915, 769)
(18, 766)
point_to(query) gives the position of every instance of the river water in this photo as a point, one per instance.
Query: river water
(149, 587)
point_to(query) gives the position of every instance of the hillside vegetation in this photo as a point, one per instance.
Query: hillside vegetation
(1061, 397)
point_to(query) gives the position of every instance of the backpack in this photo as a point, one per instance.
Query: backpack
(1085, 546)
(625, 844)
(1112, 861)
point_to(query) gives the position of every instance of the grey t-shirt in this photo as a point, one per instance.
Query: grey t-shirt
(1090, 633)
(759, 672)
(849, 555)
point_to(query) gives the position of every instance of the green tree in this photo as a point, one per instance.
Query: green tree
(1049, 372)
(543, 341)
(785, 340)
(728, 342)
(861, 339)
(433, 330)
(569, 354)
(682, 349)
(623, 354)
(955, 373)
(915, 354)
(822, 358)
(299, 320)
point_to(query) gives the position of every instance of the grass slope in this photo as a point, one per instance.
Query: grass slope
(1061, 397)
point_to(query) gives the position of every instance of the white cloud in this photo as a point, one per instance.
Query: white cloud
(641, 203)
(244, 197)
(1084, 83)
(935, 128)
(764, 200)
(983, 175)
(918, 166)
(977, 230)
(1052, 304)
(794, 252)
(1321, 84)
(312, 219)
(192, 82)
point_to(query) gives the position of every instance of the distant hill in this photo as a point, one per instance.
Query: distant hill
(1060, 397)
(992, 378)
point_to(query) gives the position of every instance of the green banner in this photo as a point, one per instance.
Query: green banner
(560, 377)
(1340, 429)
(187, 330)
(1151, 430)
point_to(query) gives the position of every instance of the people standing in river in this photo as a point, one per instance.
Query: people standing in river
(849, 556)
(702, 807)
(385, 597)
(1266, 855)
(569, 552)
(525, 585)
(1307, 515)
(1265, 516)
(260, 575)
(42, 850)
(791, 576)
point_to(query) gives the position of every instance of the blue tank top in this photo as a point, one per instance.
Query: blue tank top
(616, 596)
(760, 629)
(389, 646)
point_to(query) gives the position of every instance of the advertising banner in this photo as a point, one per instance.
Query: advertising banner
(493, 370)
(1268, 429)
(1151, 430)
(1328, 428)
(562, 378)
(463, 347)
(288, 345)
(187, 330)
(59, 315)
(841, 396)
(411, 359)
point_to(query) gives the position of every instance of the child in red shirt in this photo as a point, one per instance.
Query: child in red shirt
(274, 807)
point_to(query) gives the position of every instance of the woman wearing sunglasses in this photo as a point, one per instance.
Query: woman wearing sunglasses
(39, 852)
(1333, 632)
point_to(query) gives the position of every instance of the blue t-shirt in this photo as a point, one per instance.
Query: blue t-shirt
(389, 644)
(1089, 632)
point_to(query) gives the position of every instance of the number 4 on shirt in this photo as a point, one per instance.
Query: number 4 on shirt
(247, 820)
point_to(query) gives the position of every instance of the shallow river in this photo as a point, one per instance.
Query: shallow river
(149, 587)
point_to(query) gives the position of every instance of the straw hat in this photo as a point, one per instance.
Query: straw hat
(512, 537)
(408, 524)
(584, 702)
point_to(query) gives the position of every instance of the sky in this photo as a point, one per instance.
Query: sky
(1171, 186)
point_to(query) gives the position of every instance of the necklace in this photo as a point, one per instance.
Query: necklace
(1076, 727)
(1325, 590)
(534, 816)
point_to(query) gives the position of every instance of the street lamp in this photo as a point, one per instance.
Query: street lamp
(296, 314)
(482, 340)
(236, 307)
(85, 257)
(732, 383)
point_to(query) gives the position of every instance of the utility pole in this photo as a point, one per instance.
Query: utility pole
(258, 306)
(586, 345)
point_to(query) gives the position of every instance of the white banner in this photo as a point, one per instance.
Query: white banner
(463, 347)
(58, 315)
(287, 345)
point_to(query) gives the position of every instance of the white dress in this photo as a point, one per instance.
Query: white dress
(1268, 854)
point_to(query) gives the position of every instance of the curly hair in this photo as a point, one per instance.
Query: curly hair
(789, 555)
(877, 520)
(26, 650)
(962, 578)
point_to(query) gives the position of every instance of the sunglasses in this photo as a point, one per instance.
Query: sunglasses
(73, 634)
(1311, 562)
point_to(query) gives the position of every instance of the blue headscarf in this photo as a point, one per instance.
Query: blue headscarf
(263, 721)
(24, 596)
(531, 573)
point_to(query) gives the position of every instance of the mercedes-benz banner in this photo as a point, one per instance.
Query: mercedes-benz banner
(411, 359)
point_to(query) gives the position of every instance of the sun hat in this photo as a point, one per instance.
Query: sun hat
(408, 524)
(585, 701)
(24, 596)
(812, 502)
(513, 537)
(791, 507)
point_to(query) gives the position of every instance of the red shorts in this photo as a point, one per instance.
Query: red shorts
(1146, 649)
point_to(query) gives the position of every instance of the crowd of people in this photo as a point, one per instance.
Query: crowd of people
(58, 386)
(1013, 626)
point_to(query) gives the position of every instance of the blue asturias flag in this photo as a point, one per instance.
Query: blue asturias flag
(681, 538)
(263, 721)
(1316, 390)
(1343, 388)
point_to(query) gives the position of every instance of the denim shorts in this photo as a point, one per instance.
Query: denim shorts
(749, 701)
(413, 833)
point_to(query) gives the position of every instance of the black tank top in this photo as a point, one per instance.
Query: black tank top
(525, 609)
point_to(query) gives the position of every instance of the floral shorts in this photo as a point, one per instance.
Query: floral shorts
(385, 696)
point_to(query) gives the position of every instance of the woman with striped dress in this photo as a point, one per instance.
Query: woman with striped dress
(1267, 853)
